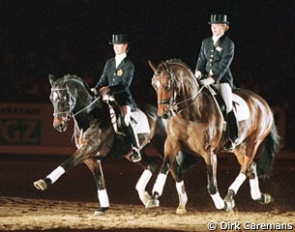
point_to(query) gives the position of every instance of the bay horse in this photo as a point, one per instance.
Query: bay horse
(96, 137)
(196, 125)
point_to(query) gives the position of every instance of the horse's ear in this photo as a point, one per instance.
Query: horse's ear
(51, 78)
(153, 67)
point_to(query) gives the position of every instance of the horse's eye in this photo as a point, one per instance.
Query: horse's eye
(166, 87)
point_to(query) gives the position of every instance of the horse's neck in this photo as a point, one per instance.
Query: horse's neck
(207, 108)
(191, 97)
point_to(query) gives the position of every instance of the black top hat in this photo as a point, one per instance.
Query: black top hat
(119, 39)
(218, 19)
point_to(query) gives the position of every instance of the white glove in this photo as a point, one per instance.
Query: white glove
(94, 90)
(207, 81)
(198, 74)
(210, 73)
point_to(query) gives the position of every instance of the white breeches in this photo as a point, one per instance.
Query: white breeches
(126, 114)
(225, 91)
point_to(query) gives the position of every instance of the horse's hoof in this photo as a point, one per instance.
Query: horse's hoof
(100, 211)
(40, 185)
(145, 198)
(153, 203)
(180, 211)
(265, 198)
(229, 205)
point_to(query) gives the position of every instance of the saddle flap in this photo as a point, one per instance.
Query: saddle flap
(241, 108)
(140, 122)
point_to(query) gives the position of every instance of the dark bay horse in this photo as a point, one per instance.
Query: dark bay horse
(96, 138)
(196, 125)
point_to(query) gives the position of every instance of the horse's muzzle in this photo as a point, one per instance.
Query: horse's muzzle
(60, 125)
(163, 111)
(163, 114)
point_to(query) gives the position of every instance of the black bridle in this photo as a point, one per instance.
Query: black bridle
(174, 106)
(66, 116)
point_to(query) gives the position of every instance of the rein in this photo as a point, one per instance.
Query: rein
(70, 114)
(86, 107)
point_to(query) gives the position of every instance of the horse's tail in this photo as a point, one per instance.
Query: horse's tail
(269, 148)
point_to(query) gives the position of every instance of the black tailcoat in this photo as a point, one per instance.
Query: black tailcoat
(119, 80)
(217, 57)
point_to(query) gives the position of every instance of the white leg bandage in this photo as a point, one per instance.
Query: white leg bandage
(181, 192)
(218, 202)
(159, 185)
(103, 198)
(143, 180)
(254, 186)
(56, 173)
(238, 182)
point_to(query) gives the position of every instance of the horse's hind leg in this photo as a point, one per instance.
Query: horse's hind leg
(232, 191)
(96, 169)
(141, 186)
(256, 195)
(245, 161)
(149, 168)
(159, 184)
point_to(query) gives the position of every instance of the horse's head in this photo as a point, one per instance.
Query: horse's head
(176, 87)
(163, 85)
(68, 95)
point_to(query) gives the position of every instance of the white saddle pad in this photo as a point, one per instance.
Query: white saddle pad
(241, 108)
(140, 122)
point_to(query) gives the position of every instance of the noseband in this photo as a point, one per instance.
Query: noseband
(65, 115)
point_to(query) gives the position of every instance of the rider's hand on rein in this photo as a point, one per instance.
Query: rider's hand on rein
(208, 81)
(198, 75)
(104, 91)
(94, 90)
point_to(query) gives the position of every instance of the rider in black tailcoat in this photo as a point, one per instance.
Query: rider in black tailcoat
(214, 60)
(116, 79)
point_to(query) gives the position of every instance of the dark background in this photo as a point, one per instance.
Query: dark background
(71, 36)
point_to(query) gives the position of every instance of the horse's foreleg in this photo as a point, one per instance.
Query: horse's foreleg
(159, 185)
(71, 162)
(256, 194)
(43, 184)
(212, 182)
(95, 167)
(141, 186)
(176, 173)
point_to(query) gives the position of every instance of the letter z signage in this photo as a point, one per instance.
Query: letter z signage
(20, 131)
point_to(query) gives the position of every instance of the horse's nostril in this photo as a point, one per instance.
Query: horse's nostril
(165, 116)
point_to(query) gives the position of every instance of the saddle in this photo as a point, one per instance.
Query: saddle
(139, 120)
(116, 117)
(240, 106)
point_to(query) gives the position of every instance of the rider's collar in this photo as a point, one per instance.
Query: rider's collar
(216, 38)
(119, 58)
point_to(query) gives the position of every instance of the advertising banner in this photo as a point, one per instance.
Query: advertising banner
(27, 129)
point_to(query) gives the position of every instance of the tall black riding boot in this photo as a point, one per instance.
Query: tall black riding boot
(233, 131)
(135, 156)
